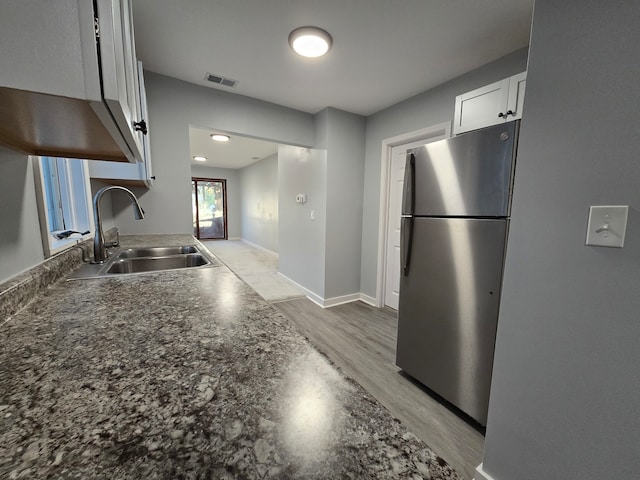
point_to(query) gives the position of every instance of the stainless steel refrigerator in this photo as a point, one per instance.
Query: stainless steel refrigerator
(455, 219)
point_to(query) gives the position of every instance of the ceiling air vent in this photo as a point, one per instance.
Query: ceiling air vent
(220, 80)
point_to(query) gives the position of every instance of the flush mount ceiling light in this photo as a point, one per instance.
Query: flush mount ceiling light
(218, 137)
(310, 41)
(200, 159)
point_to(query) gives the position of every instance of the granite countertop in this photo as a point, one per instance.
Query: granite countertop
(184, 374)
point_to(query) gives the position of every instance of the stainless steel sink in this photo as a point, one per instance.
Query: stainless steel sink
(156, 251)
(147, 259)
(152, 264)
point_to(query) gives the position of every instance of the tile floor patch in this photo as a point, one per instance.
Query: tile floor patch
(256, 267)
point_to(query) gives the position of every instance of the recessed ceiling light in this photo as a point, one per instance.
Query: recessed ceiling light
(310, 41)
(200, 159)
(218, 137)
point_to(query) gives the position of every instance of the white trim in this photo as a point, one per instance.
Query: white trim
(334, 301)
(318, 300)
(439, 130)
(259, 247)
(481, 474)
(368, 300)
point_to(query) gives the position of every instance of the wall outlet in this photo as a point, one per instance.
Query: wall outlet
(607, 225)
(301, 198)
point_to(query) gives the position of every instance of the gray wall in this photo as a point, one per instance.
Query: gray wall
(20, 240)
(106, 209)
(344, 137)
(323, 255)
(173, 106)
(259, 193)
(565, 400)
(302, 240)
(429, 108)
(234, 194)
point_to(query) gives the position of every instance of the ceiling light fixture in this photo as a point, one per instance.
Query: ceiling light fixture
(218, 137)
(310, 41)
(200, 159)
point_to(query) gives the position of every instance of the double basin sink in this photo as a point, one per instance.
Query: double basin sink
(146, 259)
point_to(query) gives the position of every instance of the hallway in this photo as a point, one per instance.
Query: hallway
(257, 267)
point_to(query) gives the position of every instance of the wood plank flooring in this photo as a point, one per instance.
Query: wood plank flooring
(361, 341)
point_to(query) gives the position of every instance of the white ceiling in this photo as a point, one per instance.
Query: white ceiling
(238, 152)
(384, 51)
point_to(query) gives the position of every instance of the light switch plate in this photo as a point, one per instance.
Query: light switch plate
(607, 225)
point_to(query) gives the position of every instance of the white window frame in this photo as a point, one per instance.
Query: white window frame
(76, 204)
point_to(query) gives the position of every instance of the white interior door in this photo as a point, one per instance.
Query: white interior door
(392, 283)
(394, 210)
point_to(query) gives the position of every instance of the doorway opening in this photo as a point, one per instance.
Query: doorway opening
(209, 203)
(392, 180)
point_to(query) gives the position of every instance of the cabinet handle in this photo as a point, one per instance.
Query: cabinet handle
(501, 115)
(140, 126)
(510, 112)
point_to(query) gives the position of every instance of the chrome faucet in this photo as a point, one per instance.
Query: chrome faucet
(99, 247)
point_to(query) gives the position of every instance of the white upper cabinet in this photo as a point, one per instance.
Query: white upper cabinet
(127, 174)
(69, 80)
(515, 101)
(496, 103)
(119, 73)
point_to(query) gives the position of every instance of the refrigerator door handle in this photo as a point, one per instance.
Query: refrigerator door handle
(408, 210)
(409, 190)
(406, 234)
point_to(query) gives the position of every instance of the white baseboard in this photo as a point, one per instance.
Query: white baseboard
(259, 247)
(481, 474)
(318, 300)
(234, 238)
(330, 302)
(368, 300)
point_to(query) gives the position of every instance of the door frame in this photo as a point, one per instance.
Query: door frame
(224, 205)
(427, 134)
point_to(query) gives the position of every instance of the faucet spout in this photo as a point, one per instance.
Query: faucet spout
(99, 248)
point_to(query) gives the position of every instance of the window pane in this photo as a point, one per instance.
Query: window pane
(78, 214)
(64, 201)
(52, 194)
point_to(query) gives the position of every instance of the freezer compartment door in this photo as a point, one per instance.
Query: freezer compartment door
(470, 175)
(448, 310)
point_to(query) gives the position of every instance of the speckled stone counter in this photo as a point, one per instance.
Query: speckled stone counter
(186, 374)
(23, 288)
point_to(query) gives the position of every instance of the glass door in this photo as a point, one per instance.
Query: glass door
(209, 200)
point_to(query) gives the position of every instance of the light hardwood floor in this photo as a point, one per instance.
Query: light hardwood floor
(361, 341)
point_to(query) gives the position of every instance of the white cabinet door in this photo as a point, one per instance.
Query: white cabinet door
(129, 174)
(147, 172)
(517, 85)
(119, 71)
(495, 103)
(481, 107)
